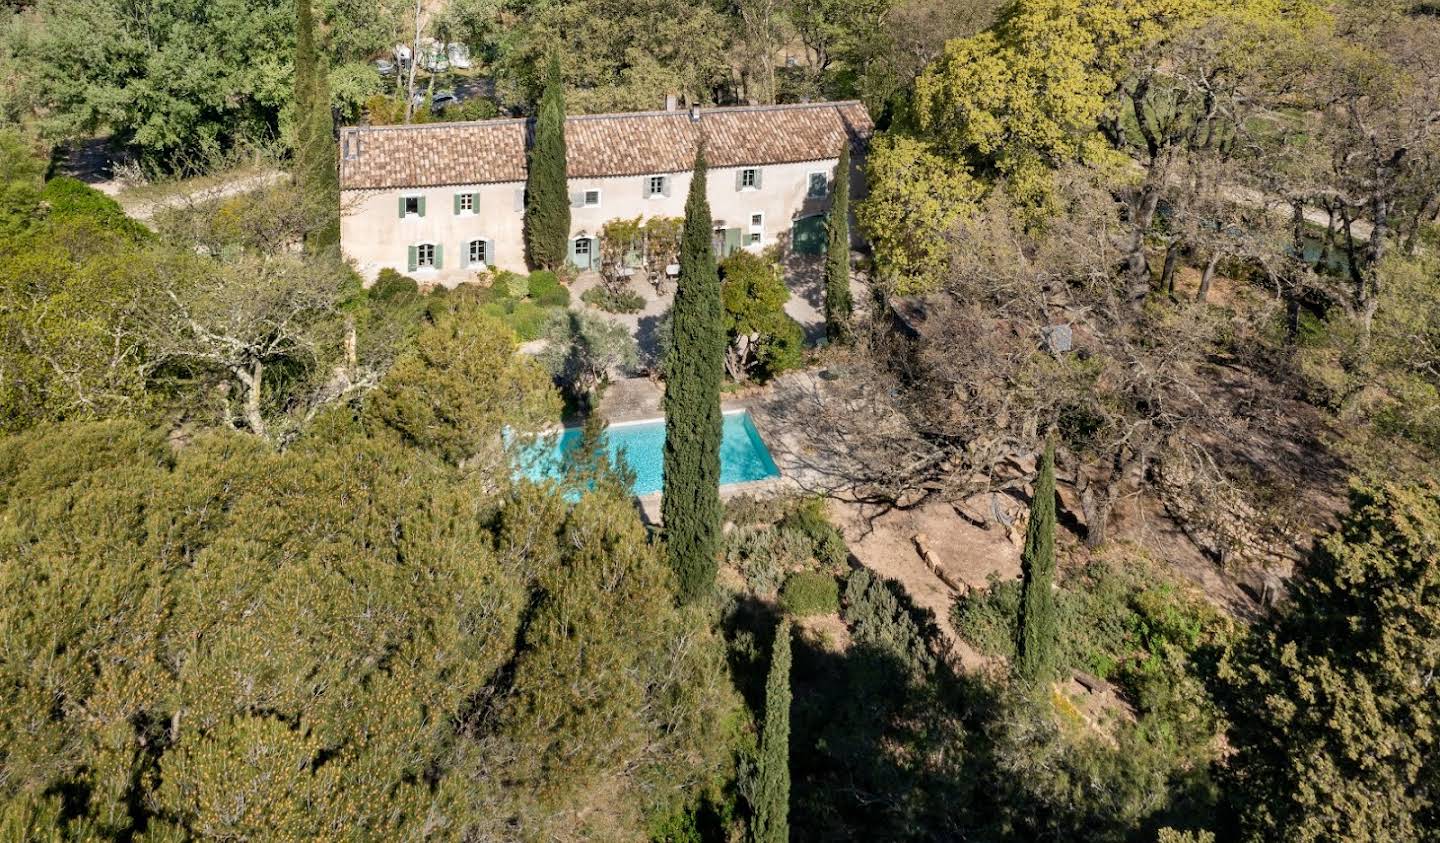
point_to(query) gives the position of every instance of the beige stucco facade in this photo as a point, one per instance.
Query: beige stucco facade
(375, 235)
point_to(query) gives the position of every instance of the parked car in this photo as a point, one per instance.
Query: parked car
(385, 67)
(459, 56)
(443, 100)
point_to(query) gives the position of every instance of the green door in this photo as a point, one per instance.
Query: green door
(584, 252)
(807, 235)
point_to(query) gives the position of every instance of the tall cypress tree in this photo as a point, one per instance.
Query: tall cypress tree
(691, 504)
(771, 797)
(316, 157)
(1039, 633)
(547, 197)
(837, 253)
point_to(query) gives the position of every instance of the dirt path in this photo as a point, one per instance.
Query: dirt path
(142, 203)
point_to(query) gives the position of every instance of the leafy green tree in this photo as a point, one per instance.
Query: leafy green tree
(76, 279)
(917, 193)
(547, 197)
(461, 386)
(21, 175)
(619, 55)
(315, 167)
(1332, 703)
(1039, 629)
(770, 800)
(763, 339)
(583, 349)
(157, 78)
(691, 504)
(838, 304)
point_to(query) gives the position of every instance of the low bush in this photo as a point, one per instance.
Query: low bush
(828, 546)
(542, 281)
(546, 289)
(809, 593)
(765, 555)
(624, 301)
(746, 509)
(511, 284)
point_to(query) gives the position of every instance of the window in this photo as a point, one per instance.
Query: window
(411, 206)
(582, 250)
(465, 203)
(592, 198)
(757, 220)
(749, 178)
(425, 256)
(655, 186)
(819, 185)
(755, 237)
(477, 254)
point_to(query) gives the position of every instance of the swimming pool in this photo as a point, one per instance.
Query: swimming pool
(743, 455)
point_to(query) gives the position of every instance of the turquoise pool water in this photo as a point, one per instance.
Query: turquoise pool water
(743, 455)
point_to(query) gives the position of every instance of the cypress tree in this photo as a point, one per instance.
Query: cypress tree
(771, 797)
(547, 197)
(1039, 633)
(690, 507)
(316, 159)
(837, 253)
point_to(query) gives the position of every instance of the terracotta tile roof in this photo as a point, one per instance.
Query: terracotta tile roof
(598, 144)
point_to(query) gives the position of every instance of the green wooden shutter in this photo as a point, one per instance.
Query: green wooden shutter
(665, 186)
(414, 259)
(490, 252)
(519, 198)
(421, 203)
(759, 177)
(594, 252)
(577, 199)
(574, 256)
(457, 203)
(740, 179)
(733, 241)
(439, 256)
(402, 207)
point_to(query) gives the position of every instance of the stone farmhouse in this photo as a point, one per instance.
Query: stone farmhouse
(444, 201)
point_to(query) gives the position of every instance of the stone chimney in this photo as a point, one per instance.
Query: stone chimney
(694, 114)
(672, 102)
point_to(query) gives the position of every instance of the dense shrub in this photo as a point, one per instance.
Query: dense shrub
(764, 555)
(748, 509)
(511, 284)
(546, 290)
(879, 618)
(828, 546)
(808, 593)
(70, 198)
(621, 302)
(392, 285)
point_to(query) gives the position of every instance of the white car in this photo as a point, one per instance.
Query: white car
(459, 56)
(402, 55)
